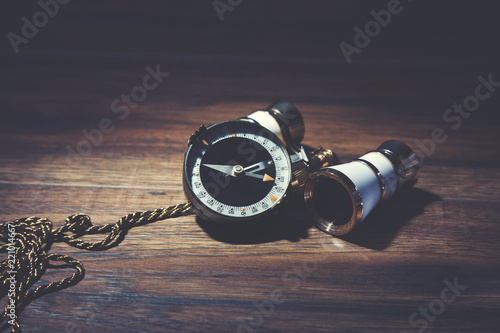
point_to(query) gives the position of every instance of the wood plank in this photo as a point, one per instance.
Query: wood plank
(187, 275)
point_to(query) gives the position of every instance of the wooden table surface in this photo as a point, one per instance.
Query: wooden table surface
(181, 275)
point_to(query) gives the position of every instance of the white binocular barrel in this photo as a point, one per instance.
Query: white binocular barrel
(284, 120)
(341, 196)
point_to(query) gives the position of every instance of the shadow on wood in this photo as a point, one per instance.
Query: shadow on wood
(292, 224)
(383, 224)
(376, 232)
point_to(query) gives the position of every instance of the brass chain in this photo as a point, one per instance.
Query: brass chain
(34, 237)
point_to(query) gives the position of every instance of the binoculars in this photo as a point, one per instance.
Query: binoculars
(340, 196)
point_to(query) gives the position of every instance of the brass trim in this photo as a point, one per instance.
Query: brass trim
(357, 203)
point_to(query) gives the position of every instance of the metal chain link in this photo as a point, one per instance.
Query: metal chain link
(34, 237)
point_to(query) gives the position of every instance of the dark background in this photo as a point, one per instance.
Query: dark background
(451, 30)
(176, 276)
(454, 40)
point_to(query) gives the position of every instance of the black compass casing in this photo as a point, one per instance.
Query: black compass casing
(236, 171)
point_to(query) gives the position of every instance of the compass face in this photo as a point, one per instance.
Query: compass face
(236, 169)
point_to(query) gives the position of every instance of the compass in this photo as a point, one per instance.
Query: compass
(236, 170)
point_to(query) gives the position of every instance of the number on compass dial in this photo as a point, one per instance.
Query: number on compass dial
(237, 169)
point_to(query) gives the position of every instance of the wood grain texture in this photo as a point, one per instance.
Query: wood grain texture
(182, 275)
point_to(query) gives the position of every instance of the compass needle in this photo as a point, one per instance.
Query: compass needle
(252, 170)
(225, 169)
